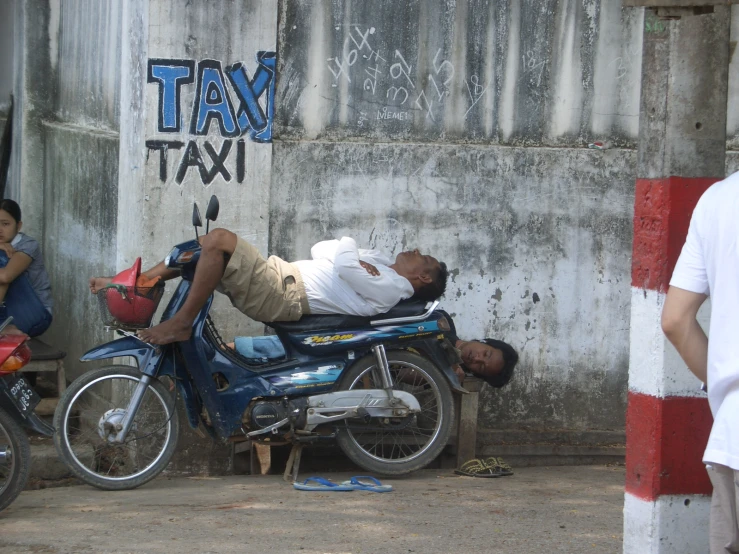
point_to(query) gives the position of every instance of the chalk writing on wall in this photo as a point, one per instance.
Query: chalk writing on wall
(227, 102)
(391, 80)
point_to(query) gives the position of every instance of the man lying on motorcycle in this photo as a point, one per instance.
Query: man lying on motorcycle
(489, 359)
(332, 282)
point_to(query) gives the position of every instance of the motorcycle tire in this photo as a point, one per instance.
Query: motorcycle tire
(404, 445)
(85, 420)
(14, 473)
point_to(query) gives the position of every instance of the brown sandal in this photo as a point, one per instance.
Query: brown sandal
(477, 468)
(498, 465)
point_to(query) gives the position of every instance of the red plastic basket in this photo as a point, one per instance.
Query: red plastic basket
(125, 307)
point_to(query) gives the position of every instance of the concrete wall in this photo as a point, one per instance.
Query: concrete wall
(6, 59)
(553, 73)
(33, 86)
(461, 128)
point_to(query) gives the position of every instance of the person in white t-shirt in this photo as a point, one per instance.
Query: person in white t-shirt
(335, 281)
(709, 265)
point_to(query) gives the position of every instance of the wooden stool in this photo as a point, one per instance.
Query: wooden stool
(46, 358)
(260, 457)
(465, 406)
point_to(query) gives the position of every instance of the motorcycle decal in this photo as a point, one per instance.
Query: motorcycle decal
(415, 336)
(322, 376)
(330, 339)
(392, 332)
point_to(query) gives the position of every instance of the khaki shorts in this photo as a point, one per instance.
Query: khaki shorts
(264, 290)
(724, 526)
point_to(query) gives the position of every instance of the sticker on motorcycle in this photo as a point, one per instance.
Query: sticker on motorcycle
(322, 376)
(317, 340)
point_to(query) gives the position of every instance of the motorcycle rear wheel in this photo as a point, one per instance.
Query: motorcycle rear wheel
(85, 420)
(14, 470)
(397, 447)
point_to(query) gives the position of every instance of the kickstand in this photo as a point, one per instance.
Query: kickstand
(293, 463)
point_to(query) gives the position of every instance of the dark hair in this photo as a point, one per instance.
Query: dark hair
(435, 289)
(510, 359)
(12, 207)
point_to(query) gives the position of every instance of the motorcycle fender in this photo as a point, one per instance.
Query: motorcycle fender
(37, 424)
(437, 357)
(130, 346)
(453, 380)
(29, 421)
(125, 346)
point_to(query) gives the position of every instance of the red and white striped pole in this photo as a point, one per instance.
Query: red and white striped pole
(668, 419)
(682, 144)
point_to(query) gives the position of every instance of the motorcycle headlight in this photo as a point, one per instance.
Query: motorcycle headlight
(185, 256)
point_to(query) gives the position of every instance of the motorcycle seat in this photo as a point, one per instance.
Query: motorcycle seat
(307, 323)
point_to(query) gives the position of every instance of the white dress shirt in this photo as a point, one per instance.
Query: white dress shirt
(335, 283)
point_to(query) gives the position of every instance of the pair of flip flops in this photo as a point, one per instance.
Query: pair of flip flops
(358, 483)
(489, 467)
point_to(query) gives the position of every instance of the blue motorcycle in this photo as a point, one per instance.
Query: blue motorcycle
(381, 387)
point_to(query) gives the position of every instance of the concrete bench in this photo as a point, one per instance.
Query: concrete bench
(45, 358)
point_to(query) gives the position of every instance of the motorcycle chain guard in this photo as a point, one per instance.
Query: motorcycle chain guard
(375, 403)
(341, 405)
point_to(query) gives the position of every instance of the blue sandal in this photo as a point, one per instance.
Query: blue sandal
(322, 485)
(366, 483)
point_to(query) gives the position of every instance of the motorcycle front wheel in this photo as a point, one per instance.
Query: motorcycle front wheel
(86, 420)
(395, 446)
(15, 459)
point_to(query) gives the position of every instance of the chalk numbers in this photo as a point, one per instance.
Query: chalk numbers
(533, 66)
(405, 89)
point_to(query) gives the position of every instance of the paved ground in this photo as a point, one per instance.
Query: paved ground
(539, 509)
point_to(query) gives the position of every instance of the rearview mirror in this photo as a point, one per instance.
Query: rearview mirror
(196, 221)
(211, 213)
(5, 323)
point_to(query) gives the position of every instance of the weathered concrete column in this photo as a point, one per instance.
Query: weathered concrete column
(33, 90)
(682, 143)
(197, 105)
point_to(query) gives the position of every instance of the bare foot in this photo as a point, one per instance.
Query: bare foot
(98, 283)
(13, 330)
(172, 330)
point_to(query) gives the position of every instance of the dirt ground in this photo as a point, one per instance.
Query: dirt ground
(539, 509)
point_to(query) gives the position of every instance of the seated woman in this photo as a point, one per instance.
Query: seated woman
(25, 290)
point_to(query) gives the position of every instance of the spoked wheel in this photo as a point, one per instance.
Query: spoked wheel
(87, 420)
(395, 446)
(15, 459)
